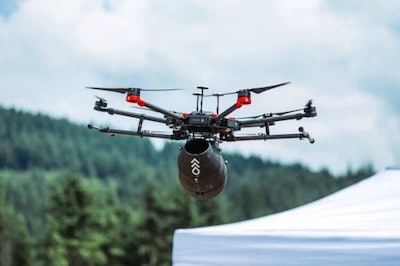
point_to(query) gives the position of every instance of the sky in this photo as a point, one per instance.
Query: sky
(344, 55)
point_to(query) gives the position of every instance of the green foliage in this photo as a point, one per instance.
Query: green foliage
(38, 142)
(15, 245)
(162, 213)
(82, 225)
(154, 233)
(70, 196)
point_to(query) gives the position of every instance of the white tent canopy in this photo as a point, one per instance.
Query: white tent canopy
(359, 225)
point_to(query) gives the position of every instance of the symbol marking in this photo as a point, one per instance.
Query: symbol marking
(195, 165)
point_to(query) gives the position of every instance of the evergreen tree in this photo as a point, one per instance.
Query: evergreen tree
(154, 232)
(81, 227)
(15, 246)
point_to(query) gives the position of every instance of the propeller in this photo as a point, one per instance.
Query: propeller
(125, 90)
(306, 107)
(101, 102)
(101, 99)
(257, 90)
(308, 104)
(218, 94)
(262, 89)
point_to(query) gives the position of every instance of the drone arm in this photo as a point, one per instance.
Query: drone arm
(227, 112)
(272, 119)
(131, 133)
(162, 111)
(261, 136)
(112, 111)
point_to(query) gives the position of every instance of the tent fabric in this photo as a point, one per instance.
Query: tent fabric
(358, 225)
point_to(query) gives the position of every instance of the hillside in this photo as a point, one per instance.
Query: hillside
(118, 198)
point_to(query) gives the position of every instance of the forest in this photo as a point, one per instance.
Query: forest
(71, 196)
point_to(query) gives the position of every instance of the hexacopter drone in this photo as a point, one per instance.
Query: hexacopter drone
(202, 170)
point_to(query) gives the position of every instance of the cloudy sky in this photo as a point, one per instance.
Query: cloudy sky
(342, 54)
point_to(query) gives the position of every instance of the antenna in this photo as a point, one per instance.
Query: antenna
(202, 88)
(218, 95)
(197, 104)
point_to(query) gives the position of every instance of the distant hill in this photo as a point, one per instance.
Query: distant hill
(31, 141)
(255, 187)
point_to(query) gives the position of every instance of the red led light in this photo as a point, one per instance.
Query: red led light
(135, 99)
(132, 98)
(243, 100)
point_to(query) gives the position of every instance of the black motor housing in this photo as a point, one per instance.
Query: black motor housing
(202, 170)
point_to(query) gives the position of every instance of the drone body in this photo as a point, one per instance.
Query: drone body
(202, 169)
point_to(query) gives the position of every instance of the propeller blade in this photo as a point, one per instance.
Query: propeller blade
(307, 106)
(176, 89)
(228, 93)
(120, 90)
(257, 90)
(287, 112)
(125, 90)
(270, 114)
(218, 94)
(309, 103)
(262, 89)
(101, 99)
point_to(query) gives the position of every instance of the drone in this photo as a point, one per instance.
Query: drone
(202, 169)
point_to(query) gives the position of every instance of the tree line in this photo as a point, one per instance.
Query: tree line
(70, 196)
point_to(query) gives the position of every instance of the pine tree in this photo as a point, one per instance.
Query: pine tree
(81, 227)
(154, 233)
(15, 246)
